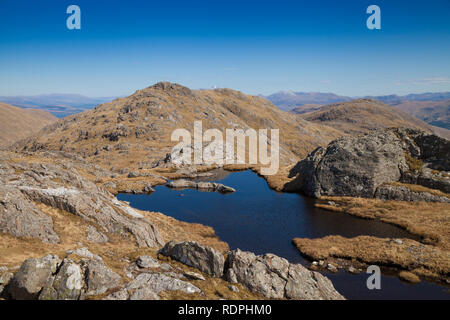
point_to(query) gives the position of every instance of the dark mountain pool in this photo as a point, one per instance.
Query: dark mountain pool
(258, 219)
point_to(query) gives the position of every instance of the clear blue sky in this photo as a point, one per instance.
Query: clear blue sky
(253, 46)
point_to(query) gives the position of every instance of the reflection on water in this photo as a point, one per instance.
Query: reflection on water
(261, 220)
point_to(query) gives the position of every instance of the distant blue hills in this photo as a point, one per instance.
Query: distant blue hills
(288, 100)
(62, 105)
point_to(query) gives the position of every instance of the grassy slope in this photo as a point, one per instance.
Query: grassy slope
(18, 123)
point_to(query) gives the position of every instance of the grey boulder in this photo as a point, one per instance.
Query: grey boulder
(206, 259)
(33, 275)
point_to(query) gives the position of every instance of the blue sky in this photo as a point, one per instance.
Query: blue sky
(253, 46)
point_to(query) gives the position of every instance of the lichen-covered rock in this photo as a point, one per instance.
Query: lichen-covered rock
(276, 278)
(66, 285)
(147, 286)
(147, 262)
(50, 279)
(191, 253)
(33, 275)
(157, 282)
(358, 165)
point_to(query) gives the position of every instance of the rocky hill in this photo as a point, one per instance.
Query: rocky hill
(18, 123)
(134, 132)
(363, 115)
(396, 164)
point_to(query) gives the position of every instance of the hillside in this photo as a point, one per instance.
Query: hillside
(436, 113)
(362, 115)
(306, 108)
(134, 132)
(18, 123)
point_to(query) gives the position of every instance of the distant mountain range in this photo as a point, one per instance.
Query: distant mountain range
(288, 100)
(60, 105)
(433, 108)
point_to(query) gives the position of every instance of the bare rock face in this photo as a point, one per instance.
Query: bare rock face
(276, 278)
(358, 165)
(47, 184)
(21, 218)
(204, 258)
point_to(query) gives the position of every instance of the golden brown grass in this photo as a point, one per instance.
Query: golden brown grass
(431, 221)
(19, 123)
(423, 260)
(413, 163)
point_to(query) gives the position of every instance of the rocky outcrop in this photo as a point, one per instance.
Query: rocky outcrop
(48, 184)
(269, 275)
(82, 274)
(276, 278)
(50, 278)
(358, 165)
(190, 253)
(202, 186)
